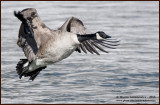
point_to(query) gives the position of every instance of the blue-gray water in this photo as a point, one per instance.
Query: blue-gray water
(130, 70)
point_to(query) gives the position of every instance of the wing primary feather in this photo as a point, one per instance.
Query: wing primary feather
(93, 49)
(83, 48)
(27, 24)
(98, 47)
(19, 16)
(106, 45)
(87, 47)
(112, 41)
(78, 49)
(111, 44)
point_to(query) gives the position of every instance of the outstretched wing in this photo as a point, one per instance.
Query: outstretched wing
(27, 43)
(76, 26)
(27, 40)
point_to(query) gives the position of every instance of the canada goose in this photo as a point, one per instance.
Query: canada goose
(43, 46)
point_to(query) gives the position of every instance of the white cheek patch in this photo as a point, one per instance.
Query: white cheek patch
(98, 36)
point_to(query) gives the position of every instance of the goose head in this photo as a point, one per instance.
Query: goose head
(101, 35)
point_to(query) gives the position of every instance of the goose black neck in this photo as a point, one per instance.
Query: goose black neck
(85, 37)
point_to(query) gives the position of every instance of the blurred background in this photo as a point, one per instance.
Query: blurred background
(130, 70)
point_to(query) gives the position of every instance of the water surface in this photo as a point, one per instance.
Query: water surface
(130, 70)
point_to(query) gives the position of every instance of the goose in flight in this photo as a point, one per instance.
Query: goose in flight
(43, 46)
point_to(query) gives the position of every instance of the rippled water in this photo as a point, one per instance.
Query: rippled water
(130, 70)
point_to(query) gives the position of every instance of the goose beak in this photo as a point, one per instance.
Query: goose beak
(107, 36)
